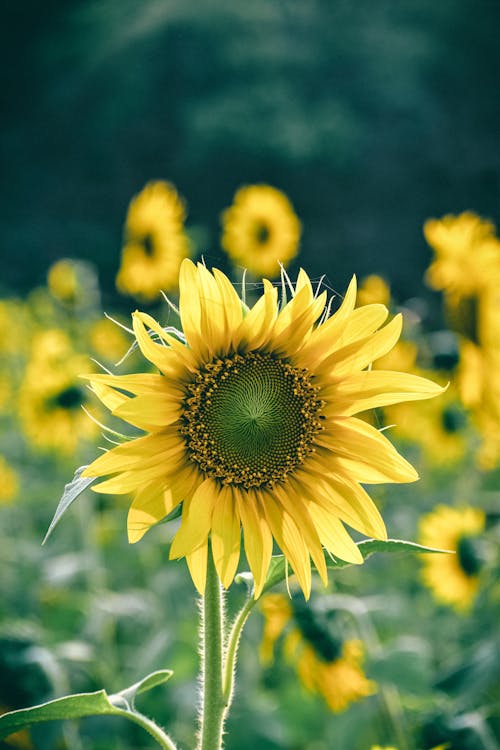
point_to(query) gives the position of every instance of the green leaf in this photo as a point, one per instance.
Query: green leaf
(147, 683)
(278, 566)
(71, 491)
(83, 704)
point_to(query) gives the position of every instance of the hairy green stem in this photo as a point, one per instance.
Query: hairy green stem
(232, 650)
(154, 730)
(214, 706)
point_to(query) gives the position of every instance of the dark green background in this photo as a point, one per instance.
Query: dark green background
(371, 115)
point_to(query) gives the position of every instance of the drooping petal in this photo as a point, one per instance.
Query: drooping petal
(196, 520)
(257, 537)
(293, 504)
(225, 536)
(290, 540)
(150, 505)
(197, 564)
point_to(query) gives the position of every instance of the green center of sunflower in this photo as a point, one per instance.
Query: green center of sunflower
(316, 633)
(250, 419)
(469, 555)
(453, 419)
(71, 397)
(262, 233)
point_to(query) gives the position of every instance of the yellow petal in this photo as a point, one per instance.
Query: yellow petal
(141, 452)
(359, 354)
(225, 536)
(293, 504)
(373, 388)
(290, 540)
(136, 384)
(197, 564)
(109, 397)
(348, 501)
(327, 334)
(357, 440)
(196, 520)
(257, 538)
(190, 307)
(149, 412)
(257, 324)
(334, 536)
(150, 505)
(163, 357)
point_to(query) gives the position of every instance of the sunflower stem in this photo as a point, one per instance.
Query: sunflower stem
(214, 706)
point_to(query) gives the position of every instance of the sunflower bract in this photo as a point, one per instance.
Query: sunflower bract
(250, 424)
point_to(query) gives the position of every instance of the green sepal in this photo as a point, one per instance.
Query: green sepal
(72, 490)
(278, 566)
(81, 705)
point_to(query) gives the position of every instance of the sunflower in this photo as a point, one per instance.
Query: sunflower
(372, 289)
(325, 665)
(155, 242)
(453, 579)
(261, 230)
(250, 423)
(51, 395)
(467, 253)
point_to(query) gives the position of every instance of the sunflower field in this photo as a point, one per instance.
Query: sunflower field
(249, 397)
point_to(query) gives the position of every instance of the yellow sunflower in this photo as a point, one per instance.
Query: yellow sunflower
(51, 395)
(325, 665)
(261, 230)
(453, 579)
(155, 242)
(467, 253)
(374, 289)
(251, 424)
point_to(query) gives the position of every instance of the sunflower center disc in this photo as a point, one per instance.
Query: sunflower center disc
(250, 419)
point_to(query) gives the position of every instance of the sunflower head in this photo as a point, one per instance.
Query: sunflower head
(250, 424)
(467, 254)
(453, 579)
(52, 394)
(326, 664)
(261, 230)
(154, 242)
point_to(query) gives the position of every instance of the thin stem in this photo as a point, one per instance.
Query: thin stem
(154, 730)
(214, 708)
(232, 650)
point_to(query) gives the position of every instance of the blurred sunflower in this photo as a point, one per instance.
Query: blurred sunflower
(74, 283)
(374, 289)
(51, 395)
(325, 664)
(467, 253)
(155, 242)
(453, 579)
(9, 482)
(107, 339)
(251, 422)
(261, 230)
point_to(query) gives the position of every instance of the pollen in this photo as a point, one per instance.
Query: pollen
(250, 419)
